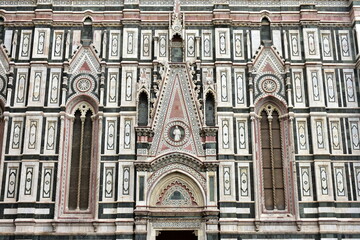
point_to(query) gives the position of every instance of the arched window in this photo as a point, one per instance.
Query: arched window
(210, 110)
(78, 162)
(177, 54)
(81, 158)
(272, 162)
(265, 29)
(87, 32)
(143, 112)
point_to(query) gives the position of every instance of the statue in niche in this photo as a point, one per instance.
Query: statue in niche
(176, 133)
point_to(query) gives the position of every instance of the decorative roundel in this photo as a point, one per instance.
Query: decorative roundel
(269, 86)
(83, 85)
(176, 133)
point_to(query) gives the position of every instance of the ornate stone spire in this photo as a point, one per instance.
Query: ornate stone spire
(177, 21)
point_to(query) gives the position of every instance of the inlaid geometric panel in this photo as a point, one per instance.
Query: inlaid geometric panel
(305, 181)
(227, 181)
(244, 182)
(340, 181)
(354, 133)
(225, 134)
(324, 180)
(320, 134)
(302, 135)
(126, 181)
(336, 137)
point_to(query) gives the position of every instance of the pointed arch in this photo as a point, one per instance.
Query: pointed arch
(143, 109)
(274, 146)
(80, 153)
(210, 109)
(265, 29)
(87, 32)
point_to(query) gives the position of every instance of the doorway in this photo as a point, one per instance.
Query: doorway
(176, 235)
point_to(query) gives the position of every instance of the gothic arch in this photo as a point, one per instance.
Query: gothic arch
(79, 162)
(210, 108)
(190, 194)
(273, 146)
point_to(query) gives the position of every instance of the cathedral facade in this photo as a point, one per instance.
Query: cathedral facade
(179, 119)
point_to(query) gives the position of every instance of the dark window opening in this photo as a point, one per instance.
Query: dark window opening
(143, 110)
(210, 110)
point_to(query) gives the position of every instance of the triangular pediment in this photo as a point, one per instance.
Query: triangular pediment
(177, 123)
(85, 59)
(268, 60)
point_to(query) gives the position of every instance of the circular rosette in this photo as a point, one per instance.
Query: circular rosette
(176, 133)
(269, 85)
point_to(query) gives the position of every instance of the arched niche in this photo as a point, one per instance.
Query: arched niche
(210, 109)
(143, 109)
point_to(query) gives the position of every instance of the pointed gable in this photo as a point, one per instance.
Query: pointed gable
(85, 59)
(177, 122)
(268, 60)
